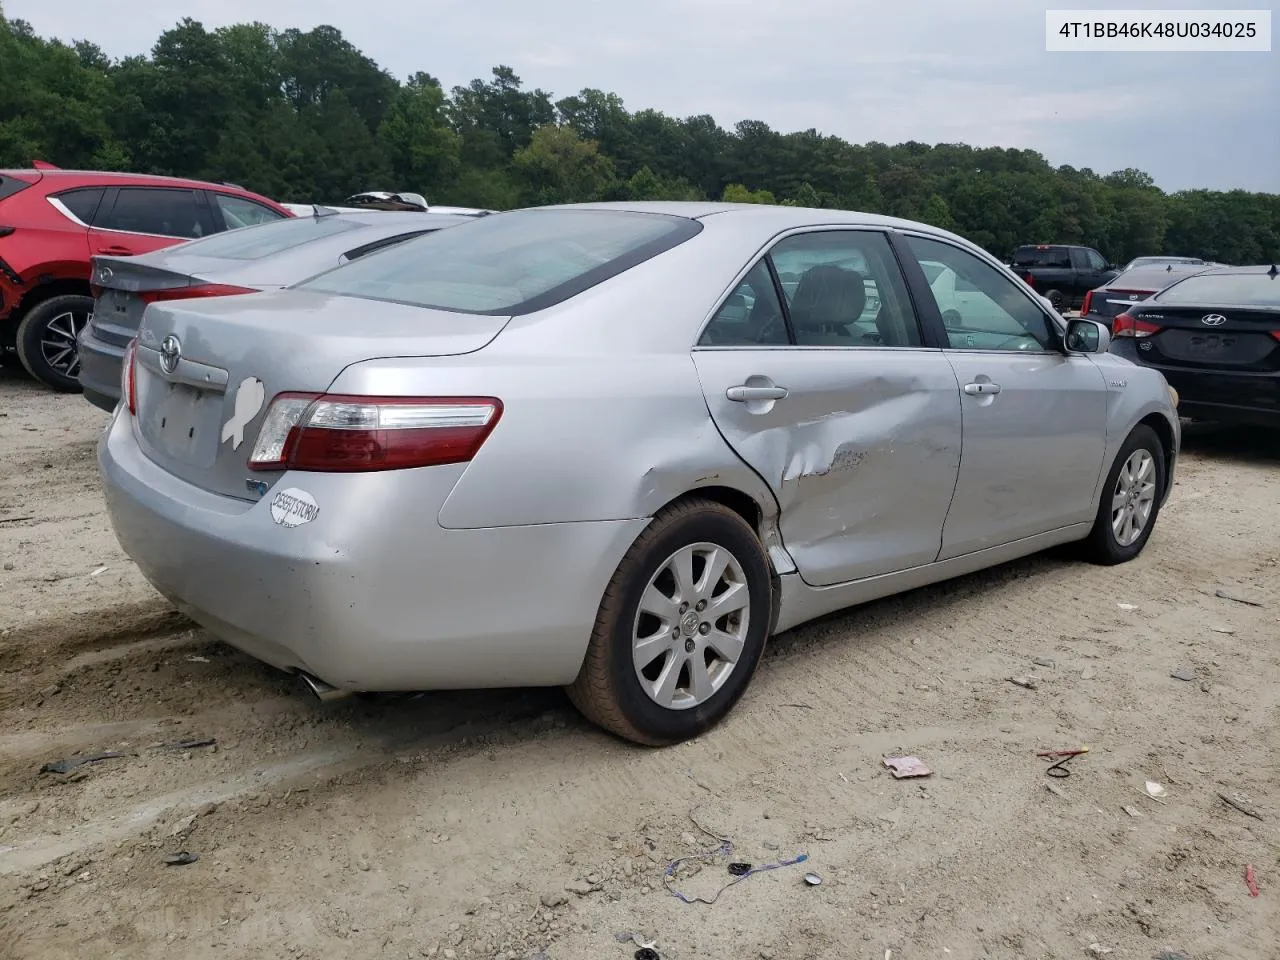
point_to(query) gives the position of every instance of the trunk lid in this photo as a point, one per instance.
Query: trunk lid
(200, 421)
(1237, 338)
(118, 309)
(1108, 304)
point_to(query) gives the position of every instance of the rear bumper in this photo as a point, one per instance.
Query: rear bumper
(100, 369)
(372, 594)
(1225, 396)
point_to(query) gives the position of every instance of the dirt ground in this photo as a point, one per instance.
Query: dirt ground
(500, 825)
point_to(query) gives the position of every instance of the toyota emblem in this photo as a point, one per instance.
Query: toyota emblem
(1213, 320)
(170, 353)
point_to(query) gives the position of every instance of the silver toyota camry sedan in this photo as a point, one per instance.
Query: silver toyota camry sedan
(615, 447)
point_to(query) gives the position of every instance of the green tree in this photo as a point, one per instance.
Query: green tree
(305, 115)
(737, 193)
(558, 166)
(424, 151)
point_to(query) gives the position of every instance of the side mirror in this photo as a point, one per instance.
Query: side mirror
(1086, 336)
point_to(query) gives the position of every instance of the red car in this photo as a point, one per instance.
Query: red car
(52, 221)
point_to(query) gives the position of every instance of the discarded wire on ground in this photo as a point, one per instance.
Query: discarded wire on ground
(724, 850)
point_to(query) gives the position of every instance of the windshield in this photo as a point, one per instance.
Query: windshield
(1244, 289)
(509, 263)
(265, 239)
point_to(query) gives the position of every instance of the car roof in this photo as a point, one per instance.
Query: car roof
(113, 175)
(770, 219)
(756, 212)
(1252, 268)
(1152, 276)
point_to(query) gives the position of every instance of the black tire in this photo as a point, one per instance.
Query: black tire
(1102, 546)
(43, 339)
(607, 690)
(1057, 298)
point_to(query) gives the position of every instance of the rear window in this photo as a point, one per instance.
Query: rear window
(1042, 257)
(509, 263)
(11, 185)
(254, 243)
(1243, 289)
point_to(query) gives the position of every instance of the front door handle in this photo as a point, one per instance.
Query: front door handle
(745, 394)
(981, 389)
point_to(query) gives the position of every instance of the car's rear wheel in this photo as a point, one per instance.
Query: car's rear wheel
(1057, 298)
(681, 627)
(48, 340)
(1130, 500)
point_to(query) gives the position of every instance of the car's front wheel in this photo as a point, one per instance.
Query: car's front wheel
(1130, 500)
(681, 627)
(48, 340)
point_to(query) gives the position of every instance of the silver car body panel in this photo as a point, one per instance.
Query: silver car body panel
(864, 486)
(118, 312)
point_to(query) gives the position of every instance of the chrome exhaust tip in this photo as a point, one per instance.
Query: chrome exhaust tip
(324, 693)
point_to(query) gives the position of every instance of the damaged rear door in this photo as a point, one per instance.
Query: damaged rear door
(814, 372)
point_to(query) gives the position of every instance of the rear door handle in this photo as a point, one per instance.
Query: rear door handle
(745, 394)
(116, 250)
(981, 389)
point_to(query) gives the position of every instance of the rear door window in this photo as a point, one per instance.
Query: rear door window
(242, 212)
(509, 263)
(159, 211)
(82, 204)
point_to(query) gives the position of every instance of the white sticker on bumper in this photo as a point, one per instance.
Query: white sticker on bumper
(293, 507)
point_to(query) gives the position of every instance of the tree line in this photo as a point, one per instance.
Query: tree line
(305, 116)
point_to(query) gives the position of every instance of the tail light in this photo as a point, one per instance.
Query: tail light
(1030, 278)
(191, 293)
(128, 378)
(333, 433)
(1276, 334)
(1127, 325)
(1088, 302)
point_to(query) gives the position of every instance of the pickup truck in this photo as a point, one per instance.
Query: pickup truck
(1061, 273)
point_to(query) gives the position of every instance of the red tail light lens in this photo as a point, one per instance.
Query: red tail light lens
(1276, 334)
(1126, 325)
(1031, 280)
(190, 293)
(128, 381)
(332, 433)
(1088, 302)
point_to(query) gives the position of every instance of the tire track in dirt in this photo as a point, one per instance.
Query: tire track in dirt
(453, 799)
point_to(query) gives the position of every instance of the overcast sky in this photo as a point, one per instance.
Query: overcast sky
(971, 71)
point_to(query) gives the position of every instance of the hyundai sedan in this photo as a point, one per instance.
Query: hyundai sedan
(608, 447)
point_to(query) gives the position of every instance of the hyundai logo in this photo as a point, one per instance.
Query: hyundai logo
(1213, 320)
(170, 353)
